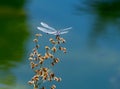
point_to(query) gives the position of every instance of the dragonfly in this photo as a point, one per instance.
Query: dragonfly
(50, 30)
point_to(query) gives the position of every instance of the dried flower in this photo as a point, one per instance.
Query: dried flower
(35, 40)
(53, 42)
(54, 49)
(57, 79)
(43, 88)
(58, 37)
(52, 63)
(35, 78)
(33, 65)
(60, 48)
(31, 55)
(39, 55)
(46, 56)
(47, 48)
(37, 35)
(51, 39)
(56, 60)
(52, 75)
(37, 46)
(53, 87)
(30, 82)
(30, 58)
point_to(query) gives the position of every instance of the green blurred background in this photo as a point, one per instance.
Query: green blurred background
(13, 33)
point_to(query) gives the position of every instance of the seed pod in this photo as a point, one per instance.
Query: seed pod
(54, 49)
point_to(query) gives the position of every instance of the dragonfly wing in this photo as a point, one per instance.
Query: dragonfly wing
(47, 26)
(46, 30)
(63, 32)
(66, 29)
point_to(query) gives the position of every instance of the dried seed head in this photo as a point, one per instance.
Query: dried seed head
(51, 39)
(41, 58)
(35, 52)
(34, 49)
(53, 87)
(56, 60)
(40, 62)
(37, 35)
(30, 58)
(33, 65)
(64, 50)
(35, 40)
(59, 79)
(39, 55)
(35, 86)
(37, 46)
(39, 72)
(45, 69)
(60, 48)
(50, 55)
(35, 59)
(46, 56)
(58, 37)
(31, 55)
(43, 88)
(52, 63)
(52, 75)
(49, 79)
(54, 49)
(30, 82)
(53, 42)
(35, 78)
(47, 48)
(62, 40)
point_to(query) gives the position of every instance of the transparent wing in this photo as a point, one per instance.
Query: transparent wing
(46, 30)
(47, 26)
(63, 32)
(66, 29)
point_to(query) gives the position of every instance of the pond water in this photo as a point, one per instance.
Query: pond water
(93, 43)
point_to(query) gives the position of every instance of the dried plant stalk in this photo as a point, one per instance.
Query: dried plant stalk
(37, 61)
